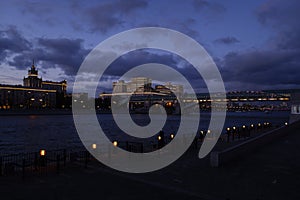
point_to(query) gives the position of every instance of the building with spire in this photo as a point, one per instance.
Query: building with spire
(34, 93)
(32, 80)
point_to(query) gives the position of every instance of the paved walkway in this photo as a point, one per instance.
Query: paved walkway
(271, 172)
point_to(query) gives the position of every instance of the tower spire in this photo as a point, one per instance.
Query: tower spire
(32, 64)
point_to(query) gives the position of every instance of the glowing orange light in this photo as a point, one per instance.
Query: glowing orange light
(115, 143)
(42, 152)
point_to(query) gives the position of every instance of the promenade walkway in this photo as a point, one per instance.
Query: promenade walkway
(269, 172)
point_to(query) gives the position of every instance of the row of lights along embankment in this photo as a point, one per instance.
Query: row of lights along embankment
(244, 131)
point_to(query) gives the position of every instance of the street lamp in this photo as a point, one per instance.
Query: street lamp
(42, 153)
(115, 143)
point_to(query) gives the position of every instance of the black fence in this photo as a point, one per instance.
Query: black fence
(39, 163)
(46, 161)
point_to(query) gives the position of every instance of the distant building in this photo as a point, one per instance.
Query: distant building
(137, 84)
(175, 88)
(34, 94)
(119, 86)
(141, 85)
(295, 107)
(33, 81)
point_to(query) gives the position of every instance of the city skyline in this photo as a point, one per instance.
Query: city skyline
(255, 44)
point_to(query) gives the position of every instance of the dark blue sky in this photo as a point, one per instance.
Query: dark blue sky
(255, 44)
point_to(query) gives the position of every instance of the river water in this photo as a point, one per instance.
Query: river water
(28, 133)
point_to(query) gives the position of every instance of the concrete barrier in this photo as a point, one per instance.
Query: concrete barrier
(218, 158)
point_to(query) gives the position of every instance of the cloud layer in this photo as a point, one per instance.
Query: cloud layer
(245, 61)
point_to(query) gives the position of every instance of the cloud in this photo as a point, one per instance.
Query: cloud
(105, 16)
(262, 69)
(144, 56)
(42, 12)
(227, 40)
(282, 17)
(36, 8)
(63, 53)
(276, 64)
(11, 41)
(202, 5)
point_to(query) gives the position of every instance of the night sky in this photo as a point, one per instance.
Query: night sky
(255, 44)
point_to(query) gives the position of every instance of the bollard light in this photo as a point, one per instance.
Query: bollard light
(42, 152)
(172, 136)
(115, 143)
(244, 126)
(234, 128)
(228, 129)
(286, 123)
(159, 137)
(94, 146)
(252, 126)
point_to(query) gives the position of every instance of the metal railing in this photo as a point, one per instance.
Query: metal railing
(44, 161)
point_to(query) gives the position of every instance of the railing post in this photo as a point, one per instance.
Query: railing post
(86, 159)
(228, 134)
(65, 157)
(35, 161)
(142, 148)
(23, 168)
(57, 163)
(0, 166)
(127, 146)
(195, 142)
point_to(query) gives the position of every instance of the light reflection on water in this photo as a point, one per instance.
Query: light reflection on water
(33, 132)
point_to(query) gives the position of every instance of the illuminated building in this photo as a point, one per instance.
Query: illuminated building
(139, 84)
(295, 107)
(34, 94)
(168, 88)
(119, 86)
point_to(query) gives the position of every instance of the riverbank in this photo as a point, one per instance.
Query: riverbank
(43, 112)
(69, 112)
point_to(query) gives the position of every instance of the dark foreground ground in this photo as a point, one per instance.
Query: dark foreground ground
(270, 172)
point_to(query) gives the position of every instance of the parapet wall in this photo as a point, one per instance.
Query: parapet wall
(218, 158)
